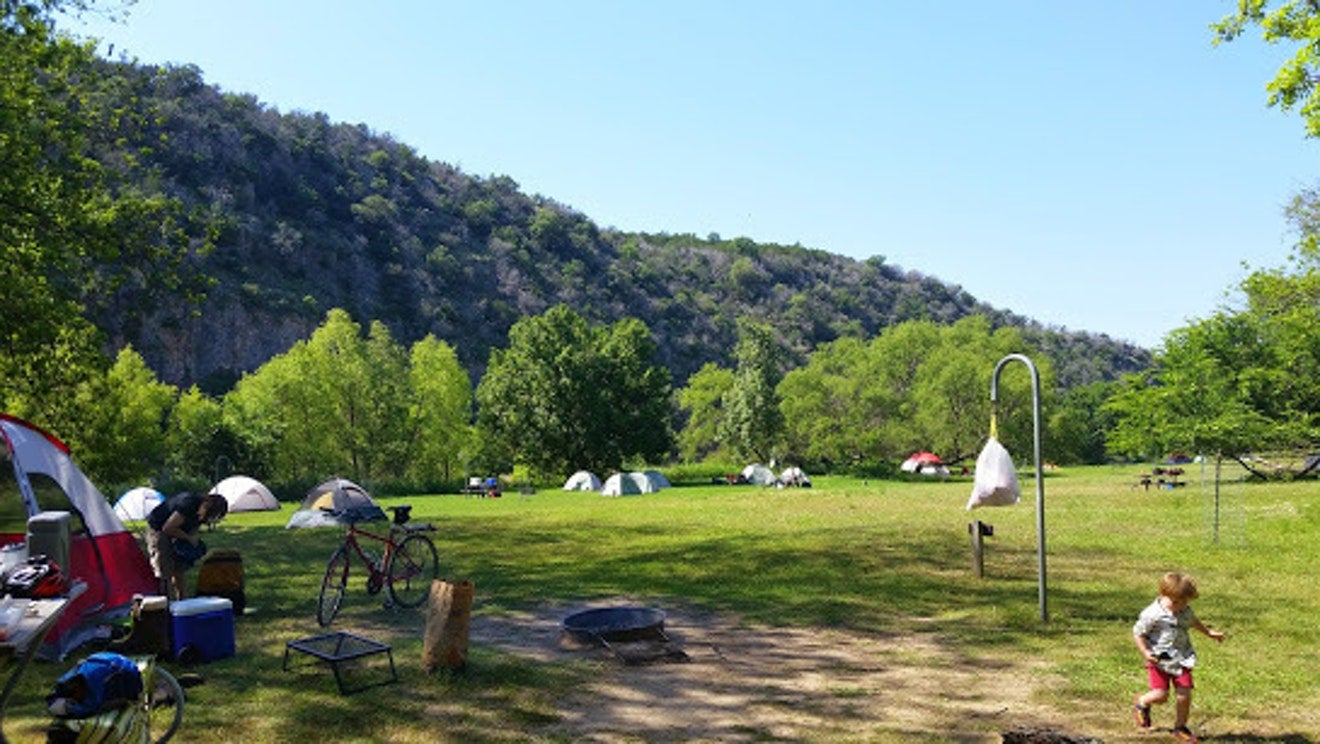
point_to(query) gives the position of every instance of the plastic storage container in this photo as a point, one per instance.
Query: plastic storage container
(49, 534)
(202, 628)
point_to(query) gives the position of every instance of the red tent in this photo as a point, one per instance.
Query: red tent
(102, 554)
(923, 462)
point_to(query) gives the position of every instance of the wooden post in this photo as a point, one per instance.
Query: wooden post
(448, 617)
(979, 530)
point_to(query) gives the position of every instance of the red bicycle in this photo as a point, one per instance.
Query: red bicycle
(405, 567)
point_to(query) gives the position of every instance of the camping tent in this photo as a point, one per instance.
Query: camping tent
(339, 496)
(794, 477)
(246, 494)
(645, 483)
(582, 480)
(102, 553)
(758, 474)
(137, 503)
(620, 484)
(925, 463)
(656, 477)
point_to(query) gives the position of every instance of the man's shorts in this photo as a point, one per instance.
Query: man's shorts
(1160, 679)
(161, 553)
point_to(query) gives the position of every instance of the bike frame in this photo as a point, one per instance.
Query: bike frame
(351, 540)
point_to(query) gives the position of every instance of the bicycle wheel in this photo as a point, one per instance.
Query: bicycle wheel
(164, 707)
(412, 566)
(332, 587)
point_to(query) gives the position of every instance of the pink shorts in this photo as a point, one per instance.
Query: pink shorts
(1160, 679)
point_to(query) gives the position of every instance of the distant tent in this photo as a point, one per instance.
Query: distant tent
(582, 480)
(246, 494)
(339, 496)
(137, 503)
(794, 477)
(620, 484)
(656, 477)
(924, 463)
(645, 484)
(758, 474)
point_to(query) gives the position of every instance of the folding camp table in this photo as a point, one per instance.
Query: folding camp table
(24, 638)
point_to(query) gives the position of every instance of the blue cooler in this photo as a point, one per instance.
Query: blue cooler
(203, 628)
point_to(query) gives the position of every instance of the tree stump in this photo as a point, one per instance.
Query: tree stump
(448, 617)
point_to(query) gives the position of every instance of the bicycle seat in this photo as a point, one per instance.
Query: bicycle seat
(402, 513)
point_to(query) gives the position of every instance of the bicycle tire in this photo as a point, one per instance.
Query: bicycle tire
(413, 565)
(168, 715)
(332, 587)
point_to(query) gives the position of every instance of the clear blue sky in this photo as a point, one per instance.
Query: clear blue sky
(1097, 166)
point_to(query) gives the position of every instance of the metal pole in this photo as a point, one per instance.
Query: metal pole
(1040, 481)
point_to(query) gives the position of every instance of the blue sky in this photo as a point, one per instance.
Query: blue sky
(1096, 166)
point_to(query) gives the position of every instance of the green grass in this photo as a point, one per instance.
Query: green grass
(877, 557)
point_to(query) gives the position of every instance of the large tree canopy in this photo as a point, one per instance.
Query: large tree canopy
(566, 395)
(1240, 382)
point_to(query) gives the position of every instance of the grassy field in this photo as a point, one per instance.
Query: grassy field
(877, 557)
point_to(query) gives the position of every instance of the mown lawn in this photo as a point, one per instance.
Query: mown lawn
(871, 557)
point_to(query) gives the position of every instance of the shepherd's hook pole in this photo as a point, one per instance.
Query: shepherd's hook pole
(1040, 482)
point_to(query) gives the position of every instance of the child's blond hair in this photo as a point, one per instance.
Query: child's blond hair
(1178, 586)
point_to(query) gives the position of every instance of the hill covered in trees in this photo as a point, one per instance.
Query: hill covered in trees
(310, 215)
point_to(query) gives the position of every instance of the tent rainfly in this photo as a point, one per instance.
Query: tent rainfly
(137, 503)
(924, 463)
(656, 477)
(338, 495)
(582, 480)
(246, 494)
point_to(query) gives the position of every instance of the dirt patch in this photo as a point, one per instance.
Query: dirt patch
(743, 682)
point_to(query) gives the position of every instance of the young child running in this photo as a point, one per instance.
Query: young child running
(1162, 635)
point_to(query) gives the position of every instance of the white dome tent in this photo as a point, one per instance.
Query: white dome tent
(246, 494)
(759, 475)
(582, 480)
(137, 503)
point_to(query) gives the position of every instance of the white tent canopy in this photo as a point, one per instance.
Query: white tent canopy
(246, 494)
(620, 484)
(794, 477)
(759, 475)
(582, 480)
(137, 503)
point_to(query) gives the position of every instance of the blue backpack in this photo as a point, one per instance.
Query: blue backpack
(100, 682)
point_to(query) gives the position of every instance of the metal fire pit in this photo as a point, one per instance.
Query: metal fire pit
(631, 626)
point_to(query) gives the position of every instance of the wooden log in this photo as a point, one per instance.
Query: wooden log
(448, 618)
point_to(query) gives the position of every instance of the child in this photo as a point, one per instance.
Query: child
(1161, 634)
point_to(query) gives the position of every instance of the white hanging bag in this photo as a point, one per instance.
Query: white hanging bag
(996, 481)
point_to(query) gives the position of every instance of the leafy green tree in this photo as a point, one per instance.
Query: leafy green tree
(197, 441)
(951, 394)
(74, 231)
(565, 395)
(440, 412)
(121, 437)
(702, 401)
(917, 385)
(1288, 23)
(753, 424)
(1238, 382)
(1079, 425)
(837, 408)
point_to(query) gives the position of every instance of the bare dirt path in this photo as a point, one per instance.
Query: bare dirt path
(748, 683)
